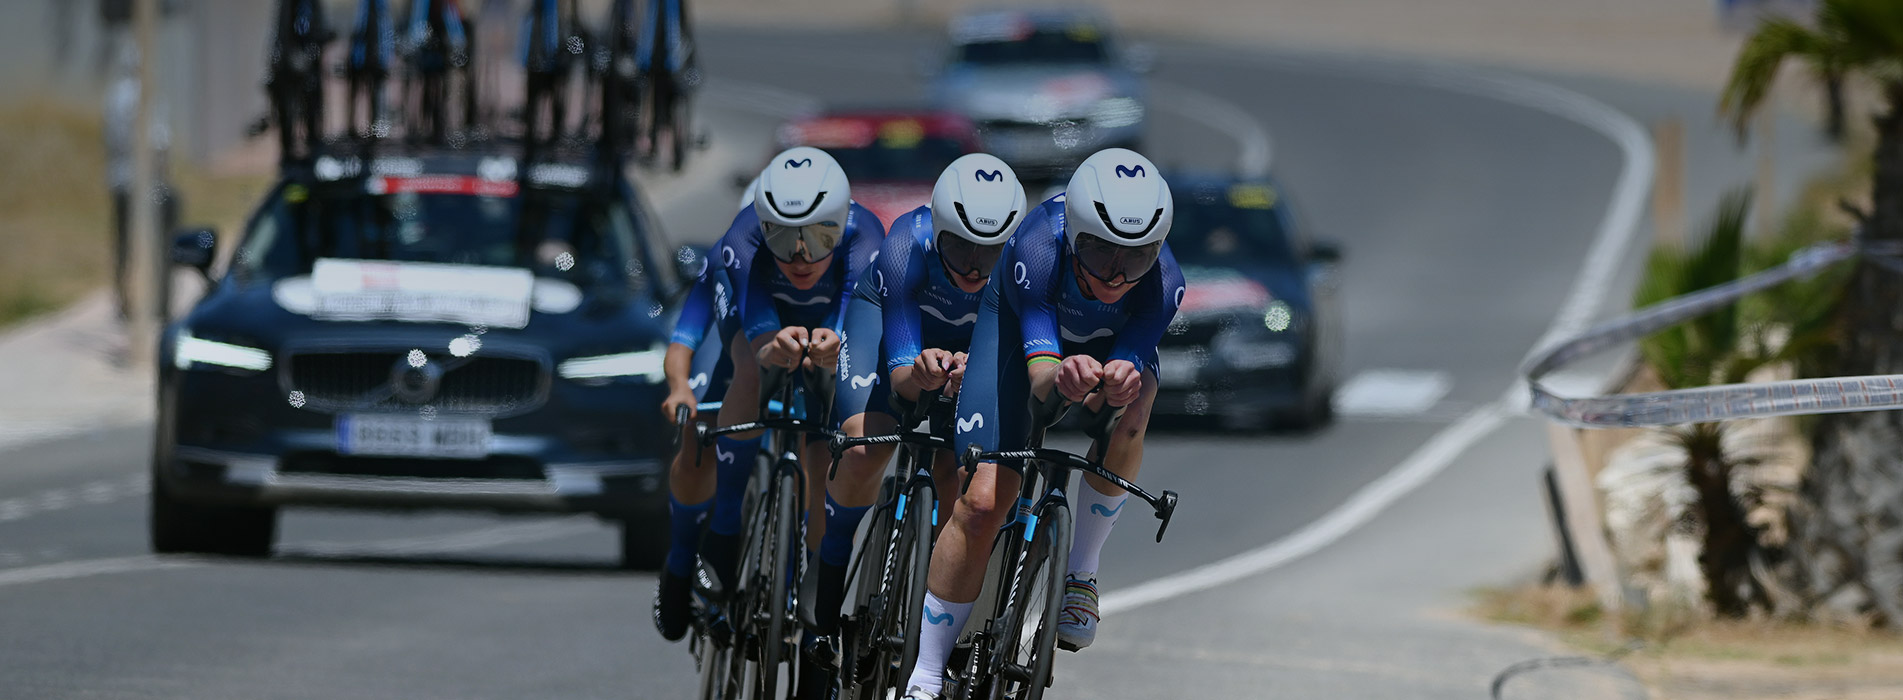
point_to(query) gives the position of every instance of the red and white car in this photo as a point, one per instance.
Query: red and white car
(893, 157)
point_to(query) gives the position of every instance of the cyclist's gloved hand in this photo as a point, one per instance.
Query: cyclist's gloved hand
(677, 398)
(784, 350)
(1122, 382)
(932, 368)
(1078, 376)
(823, 354)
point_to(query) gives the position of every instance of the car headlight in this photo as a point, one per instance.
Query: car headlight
(189, 350)
(641, 363)
(1117, 112)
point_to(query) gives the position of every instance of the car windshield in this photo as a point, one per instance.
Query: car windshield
(1075, 45)
(1226, 228)
(588, 240)
(919, 159)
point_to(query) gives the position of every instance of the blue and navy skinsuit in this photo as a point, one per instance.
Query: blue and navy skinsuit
(766, 301)
(707, 306)
(763, 302)
(905, 304)
(1034, 308)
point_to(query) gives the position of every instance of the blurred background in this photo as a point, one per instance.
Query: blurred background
(1386, 205)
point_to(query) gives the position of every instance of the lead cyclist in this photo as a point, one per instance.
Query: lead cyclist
(1090, 289)
(791, 260)
(906, 331)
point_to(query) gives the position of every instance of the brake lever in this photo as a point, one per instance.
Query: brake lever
(970, 462)
(1164, 511)
(837, 446)
(680, 421)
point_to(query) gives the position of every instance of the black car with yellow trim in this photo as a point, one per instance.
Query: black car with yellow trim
(1257, 338)
(421, 330)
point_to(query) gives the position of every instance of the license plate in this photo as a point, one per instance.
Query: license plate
(412, 436)
(1178, 368)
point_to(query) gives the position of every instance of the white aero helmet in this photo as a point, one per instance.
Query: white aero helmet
(1117, 211)
(979, 202)
(803, 201)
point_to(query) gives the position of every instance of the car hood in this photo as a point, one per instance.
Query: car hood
(1219, 291)
(563, 321)
(1032, 93)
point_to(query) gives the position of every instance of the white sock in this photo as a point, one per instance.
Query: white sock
(938, 631)
(1096, 514)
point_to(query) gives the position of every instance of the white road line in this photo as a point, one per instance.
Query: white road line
(1616, 233)
(481, 538)
(1254, 147)
(1390, 393)
(91, 567)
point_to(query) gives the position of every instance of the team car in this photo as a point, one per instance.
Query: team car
(892, 156)
(1046, 87)
(421, 330)
(1257, 339)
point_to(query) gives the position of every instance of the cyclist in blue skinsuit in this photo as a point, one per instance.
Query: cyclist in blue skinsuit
(906, 331)
(792, 259)
(1085, 291)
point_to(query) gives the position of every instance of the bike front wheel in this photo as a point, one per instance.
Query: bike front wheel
(1026, 636)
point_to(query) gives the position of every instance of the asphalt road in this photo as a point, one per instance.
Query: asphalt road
(1464, 219)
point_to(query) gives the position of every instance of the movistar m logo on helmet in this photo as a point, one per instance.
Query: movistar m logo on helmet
(803, 162)
(1137, 171)
(991, 175)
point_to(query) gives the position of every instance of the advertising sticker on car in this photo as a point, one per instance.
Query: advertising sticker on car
(371, 290)
(412, 436)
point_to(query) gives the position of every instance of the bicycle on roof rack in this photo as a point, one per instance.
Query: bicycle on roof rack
(1011, 657)
(668, 75)
(747, 629)
(879, 638)
(439, 86)
(295, 77)
(580, 101)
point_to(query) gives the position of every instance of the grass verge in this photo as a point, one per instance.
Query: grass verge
(56, 214)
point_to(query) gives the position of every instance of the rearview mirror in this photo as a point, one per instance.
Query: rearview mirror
(1324, 252)
(195, 248)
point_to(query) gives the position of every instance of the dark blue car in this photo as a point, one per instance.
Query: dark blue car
(1257, 339)
(421, 330)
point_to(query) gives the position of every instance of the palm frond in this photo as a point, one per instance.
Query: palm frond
(1755, 70)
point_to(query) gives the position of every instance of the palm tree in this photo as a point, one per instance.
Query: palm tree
(1722, 347)
(1848, 526)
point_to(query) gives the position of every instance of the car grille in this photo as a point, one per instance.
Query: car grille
(358, 381)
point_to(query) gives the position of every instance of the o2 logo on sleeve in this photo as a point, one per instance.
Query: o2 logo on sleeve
(728, 258)
(1180, 290)
(1021, 275)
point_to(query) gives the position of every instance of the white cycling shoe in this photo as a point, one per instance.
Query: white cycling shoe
(1077, 622)
(917, 693)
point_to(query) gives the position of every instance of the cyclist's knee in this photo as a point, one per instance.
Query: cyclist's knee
(982, 509)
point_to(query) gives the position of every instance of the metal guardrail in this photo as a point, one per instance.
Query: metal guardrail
(1714, 403)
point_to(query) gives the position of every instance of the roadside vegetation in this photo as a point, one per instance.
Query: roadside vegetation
(1683, 654)
(1846, 522)
(56, 214)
